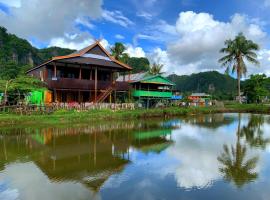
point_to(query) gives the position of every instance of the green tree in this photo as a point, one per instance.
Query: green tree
(9, 70)
(238, 50)
(139, 64)
(235, 167)
(117, 50)
(255, 88)
(21, 85)
(156, 69)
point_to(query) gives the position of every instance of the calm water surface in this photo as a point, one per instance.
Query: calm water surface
(202, 157)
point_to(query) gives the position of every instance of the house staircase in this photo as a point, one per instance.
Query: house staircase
(105, 94)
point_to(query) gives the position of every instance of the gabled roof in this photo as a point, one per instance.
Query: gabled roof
(86, 52)
(145, 77)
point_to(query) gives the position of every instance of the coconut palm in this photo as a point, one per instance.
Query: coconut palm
(237, 51)
(118, 50)
(235, 167)
(156, 69)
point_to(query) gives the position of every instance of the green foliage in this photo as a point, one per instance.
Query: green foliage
(18, 55)
(117, 50)
(48, 53)
(255, 88)
(238, 50)
(138, 64)
(156, 69)
(220, 86)
(22, 84)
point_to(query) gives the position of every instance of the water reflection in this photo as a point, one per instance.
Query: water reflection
(163, 159)
(236, 167)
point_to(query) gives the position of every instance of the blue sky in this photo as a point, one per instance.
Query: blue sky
(184, 35)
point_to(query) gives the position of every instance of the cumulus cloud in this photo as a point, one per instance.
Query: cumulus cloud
(135, 51)
(52, 19)
(76, 41)
(11, 3)
(193, 44)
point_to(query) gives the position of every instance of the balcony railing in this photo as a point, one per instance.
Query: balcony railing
(82, 84)
(145, 93)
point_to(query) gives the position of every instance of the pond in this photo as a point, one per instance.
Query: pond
(219, 156)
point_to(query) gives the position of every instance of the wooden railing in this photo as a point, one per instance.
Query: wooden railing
(83, 84)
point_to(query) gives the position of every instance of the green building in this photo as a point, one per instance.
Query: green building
(150, 90)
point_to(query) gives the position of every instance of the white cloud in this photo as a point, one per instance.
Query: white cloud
(134, 51)
(48, 19)
(144, 15)
(194, 45)
(85, 22)
(11, 3)
(116, 17)
(75, 41)
(119, 37)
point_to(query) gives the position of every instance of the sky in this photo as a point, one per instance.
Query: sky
(183, 35)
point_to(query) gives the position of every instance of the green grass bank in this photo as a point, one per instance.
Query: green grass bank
(63, 117)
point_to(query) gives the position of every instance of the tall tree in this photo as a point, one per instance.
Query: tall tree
(118, 50)
(237, 51)
(156, 69)
(255, 88)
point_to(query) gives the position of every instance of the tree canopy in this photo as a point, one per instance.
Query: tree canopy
(237, 51)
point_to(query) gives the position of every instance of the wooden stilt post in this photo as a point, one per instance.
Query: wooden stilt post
(80, 73)
(95, 84)
(54, 70)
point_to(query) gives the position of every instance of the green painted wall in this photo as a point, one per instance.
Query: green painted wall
(36, 97)
(144, 93)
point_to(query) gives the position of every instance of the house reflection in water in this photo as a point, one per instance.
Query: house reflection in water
(86, 155)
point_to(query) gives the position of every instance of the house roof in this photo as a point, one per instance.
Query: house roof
(95, 53)
(145, 77)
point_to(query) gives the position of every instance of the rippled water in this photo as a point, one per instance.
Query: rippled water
(201, 157)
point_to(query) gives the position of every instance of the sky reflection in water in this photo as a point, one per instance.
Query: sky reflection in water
(203, 157)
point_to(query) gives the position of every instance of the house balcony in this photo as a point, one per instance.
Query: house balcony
(83, 84)
(156, 94)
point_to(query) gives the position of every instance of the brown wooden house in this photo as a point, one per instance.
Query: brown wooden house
(87, 75)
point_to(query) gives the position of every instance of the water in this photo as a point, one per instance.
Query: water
(201, 157)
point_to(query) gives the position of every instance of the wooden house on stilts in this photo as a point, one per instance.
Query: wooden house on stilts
(88, 75)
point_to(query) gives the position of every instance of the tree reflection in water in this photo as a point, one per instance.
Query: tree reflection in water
(236, 167)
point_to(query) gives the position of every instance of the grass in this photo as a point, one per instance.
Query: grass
(64, 117)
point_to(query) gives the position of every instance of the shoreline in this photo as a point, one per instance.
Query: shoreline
(64, 117)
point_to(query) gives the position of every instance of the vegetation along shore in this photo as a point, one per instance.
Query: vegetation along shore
(63, 117)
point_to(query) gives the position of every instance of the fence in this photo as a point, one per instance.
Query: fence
(49, 108)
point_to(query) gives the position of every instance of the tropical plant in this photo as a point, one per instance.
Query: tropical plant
(255, 88)
(237, 51)
(117, 50)
(156, 69)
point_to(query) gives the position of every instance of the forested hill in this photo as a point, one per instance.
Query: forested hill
(21, 52)
(221, 86)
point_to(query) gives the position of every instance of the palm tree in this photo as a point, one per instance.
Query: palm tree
(118, 50)
(236, 167)
(237, 51)
(156, 69)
